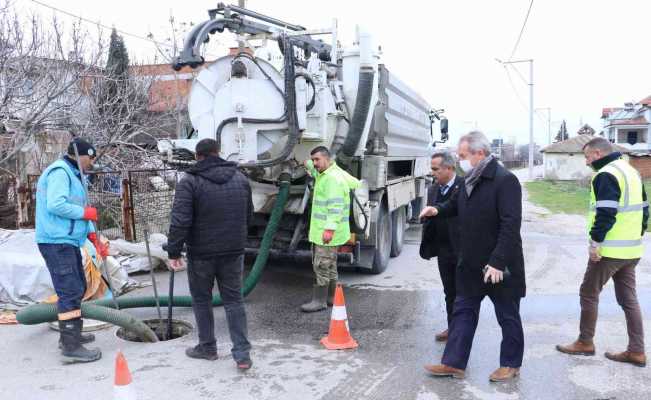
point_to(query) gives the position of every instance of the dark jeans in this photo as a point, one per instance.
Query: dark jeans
(227, 270)
(447, 260)
(464, 324)
(68, 277)
(623, 274)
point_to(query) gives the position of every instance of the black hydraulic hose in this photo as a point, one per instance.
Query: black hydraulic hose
(361, 207)
(290, 106)
(170, 305)
(362, 108)
(290, 101)
(255, 61)
(282, 118)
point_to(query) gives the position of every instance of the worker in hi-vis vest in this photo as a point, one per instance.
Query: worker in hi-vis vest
(617, 221)
(329, 223)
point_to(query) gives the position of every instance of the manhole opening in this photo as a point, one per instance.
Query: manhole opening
(179, 329)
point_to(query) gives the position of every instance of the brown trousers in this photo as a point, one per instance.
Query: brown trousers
(623, 274)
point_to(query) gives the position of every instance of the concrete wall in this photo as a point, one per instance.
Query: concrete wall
(565, 167)
(571, 166)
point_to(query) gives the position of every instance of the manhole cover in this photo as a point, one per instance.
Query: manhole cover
(179, 328)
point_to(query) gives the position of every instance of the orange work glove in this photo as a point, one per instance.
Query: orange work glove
(101, 249)
(90, 213)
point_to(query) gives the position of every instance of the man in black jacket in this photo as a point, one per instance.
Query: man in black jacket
(491, 262)
(211, 213)
(440, 235)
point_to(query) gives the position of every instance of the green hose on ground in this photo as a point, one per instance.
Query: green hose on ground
(44, 312)
(249, 283)
(101, 310)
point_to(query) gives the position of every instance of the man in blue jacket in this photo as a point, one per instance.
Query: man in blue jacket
(63, 222)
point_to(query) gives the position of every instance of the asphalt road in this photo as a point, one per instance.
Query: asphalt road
(393, 316)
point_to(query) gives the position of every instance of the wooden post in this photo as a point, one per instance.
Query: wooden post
(127, 211)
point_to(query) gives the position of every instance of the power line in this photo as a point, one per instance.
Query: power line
(99, 24)
(517, 43)
(524, 80)
(517, 94)
(125, 33)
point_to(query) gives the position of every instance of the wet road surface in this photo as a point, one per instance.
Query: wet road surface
(393, 316)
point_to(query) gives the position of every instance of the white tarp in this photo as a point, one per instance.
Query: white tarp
(133, 256)
(24, 278)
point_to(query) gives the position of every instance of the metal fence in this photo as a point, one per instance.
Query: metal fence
(128, 202)
(151, 194)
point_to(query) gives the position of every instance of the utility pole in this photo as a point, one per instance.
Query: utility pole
(549, 123)
(531, 140)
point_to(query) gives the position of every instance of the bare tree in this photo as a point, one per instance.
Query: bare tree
(42, 70)
(586, 130)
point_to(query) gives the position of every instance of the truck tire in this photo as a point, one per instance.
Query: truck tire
(382, 242)
(398, 228)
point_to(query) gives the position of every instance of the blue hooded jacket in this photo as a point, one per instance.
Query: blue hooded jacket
(60, 201)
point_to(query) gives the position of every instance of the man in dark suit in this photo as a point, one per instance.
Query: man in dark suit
(440, 235)
(491, 263)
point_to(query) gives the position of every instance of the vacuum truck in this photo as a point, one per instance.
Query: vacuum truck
(268, 112)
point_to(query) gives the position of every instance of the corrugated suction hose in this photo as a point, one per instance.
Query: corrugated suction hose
(101, 310)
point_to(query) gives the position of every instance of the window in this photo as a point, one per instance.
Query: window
(631, 137)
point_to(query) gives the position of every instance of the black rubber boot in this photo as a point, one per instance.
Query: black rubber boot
(85, 338)
(71, 349)
(331, 292)
(204, 352)
(318, 303)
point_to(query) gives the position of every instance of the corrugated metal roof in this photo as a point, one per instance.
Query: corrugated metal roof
(633, 121)
(623, 113)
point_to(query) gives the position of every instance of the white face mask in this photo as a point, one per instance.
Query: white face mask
(465, 165)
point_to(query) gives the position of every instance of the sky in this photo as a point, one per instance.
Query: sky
(588, 54)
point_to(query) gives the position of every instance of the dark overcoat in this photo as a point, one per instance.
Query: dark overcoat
(489, 232)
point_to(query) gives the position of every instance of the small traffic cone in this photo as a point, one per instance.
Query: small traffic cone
(339, 334)
(122, 389)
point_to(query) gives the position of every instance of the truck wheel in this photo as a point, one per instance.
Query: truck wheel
(398, 227)
(382, 242)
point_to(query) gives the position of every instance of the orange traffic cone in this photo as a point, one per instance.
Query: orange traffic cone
(122, 389)
(339, 335)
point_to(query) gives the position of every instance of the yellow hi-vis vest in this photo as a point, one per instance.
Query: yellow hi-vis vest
(331, 204)
(624, 239)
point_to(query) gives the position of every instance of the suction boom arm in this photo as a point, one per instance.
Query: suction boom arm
(236, 23)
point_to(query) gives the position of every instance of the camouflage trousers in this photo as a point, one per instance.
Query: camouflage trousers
(324, 261)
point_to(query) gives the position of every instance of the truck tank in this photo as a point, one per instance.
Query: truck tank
(269, 117)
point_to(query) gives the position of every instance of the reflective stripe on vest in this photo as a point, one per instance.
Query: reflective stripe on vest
(623, 240)
(621, 243)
